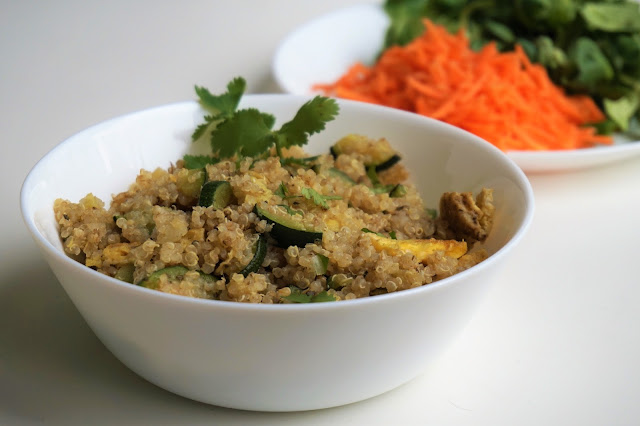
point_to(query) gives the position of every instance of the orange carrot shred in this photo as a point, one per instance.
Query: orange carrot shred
(500, 96)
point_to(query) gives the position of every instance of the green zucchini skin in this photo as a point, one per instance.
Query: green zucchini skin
(395, 159)
(285, 231)
(258, 257)
(342, 175)
(398, 191)
(215, 193)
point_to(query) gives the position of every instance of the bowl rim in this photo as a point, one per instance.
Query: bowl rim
(518, 175)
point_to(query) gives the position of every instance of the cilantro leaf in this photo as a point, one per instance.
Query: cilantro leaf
(282, 190)
(245, 133)
(225, 104)
(310, 118)
(198, 161)
(369, 231)
(220, 106)
(298, 296)
(249, 132)
(317, 198)
(323, 297)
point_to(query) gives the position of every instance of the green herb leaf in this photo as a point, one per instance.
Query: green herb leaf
(593, 66)
(621, 110)
(297, 296)
(392, 235)
(322, 297)
(246, 133)
(612, 17)
(369, 231)
(311, 118)
(282, 190)
(223, 105)
(317, 198)
(198, 161)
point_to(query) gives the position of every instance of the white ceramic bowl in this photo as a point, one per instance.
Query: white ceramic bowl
(274, 357)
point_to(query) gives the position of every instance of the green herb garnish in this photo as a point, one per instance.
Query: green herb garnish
(298, 296)
(369, 231)
(198, 161)
(317, 198)
(248, 132)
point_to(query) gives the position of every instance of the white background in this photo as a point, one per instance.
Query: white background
(556, 341)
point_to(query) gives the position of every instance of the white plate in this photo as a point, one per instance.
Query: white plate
(323, 49)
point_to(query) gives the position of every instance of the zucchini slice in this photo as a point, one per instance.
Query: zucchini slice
(398, 191)
(173, 273)
(258, 256)
(341, 175)
(395, 159)
(215, 193)
(287, 231)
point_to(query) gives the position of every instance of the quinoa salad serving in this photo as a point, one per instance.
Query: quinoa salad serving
(262, 221)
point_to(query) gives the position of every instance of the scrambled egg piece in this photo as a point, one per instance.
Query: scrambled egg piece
(421, 249)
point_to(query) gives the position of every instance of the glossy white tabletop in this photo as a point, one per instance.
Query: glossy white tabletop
(556, 341)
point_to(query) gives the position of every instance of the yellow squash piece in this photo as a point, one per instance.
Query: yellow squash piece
(421, 249)
(117, 254)
(374, 151)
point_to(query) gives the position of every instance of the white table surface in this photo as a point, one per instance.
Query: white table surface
(556, 341)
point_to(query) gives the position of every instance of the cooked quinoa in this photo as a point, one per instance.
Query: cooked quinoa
(372, 240)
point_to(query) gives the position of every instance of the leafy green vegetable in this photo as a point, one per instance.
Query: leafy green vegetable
(282, 191)
(369, 231)
(248, 132)
(198, 161)
(317, 198)
(621, 110)
(611, 17)
(220, 106)
(589, 47)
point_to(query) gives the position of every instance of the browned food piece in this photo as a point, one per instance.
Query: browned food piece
(469, 219)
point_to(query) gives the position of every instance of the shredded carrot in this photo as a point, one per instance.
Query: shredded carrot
(501, 97)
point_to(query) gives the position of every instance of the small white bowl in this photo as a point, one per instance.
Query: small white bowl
(274, 357)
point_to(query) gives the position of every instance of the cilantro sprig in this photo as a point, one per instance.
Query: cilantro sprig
(297, 296)
(317, 198)
(249, 132)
